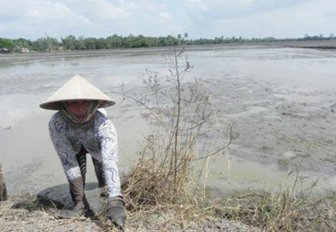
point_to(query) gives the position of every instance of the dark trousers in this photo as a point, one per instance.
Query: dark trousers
(98, 166)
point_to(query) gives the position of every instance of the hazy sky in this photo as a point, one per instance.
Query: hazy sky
(34, 19)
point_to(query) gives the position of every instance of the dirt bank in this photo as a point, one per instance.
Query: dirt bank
(21, 214)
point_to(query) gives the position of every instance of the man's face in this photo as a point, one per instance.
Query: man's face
(79, 107)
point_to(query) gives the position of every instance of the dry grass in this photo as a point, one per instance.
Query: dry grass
(250, 211)
(150, 185)
(23, 214)
(288, 210)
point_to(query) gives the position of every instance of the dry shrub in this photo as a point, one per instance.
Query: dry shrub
(152, 184)
(181, 117)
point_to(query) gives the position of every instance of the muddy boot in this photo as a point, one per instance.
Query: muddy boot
(77, 194)
(81, 207)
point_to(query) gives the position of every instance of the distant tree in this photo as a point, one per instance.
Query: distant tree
(306, 36)
(218, 40)
(80, 43)
(142, 41)
(128, 41)
(7, 44)
(315, 37)
(22, 43)
(52, 44)
(69, 42)
(90, 43)
(100, 43)
(170, 40)
(45, 44)
(114, 41)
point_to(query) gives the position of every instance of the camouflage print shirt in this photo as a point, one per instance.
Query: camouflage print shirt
(98, 137)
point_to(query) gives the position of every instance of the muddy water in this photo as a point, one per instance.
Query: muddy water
(281, 101)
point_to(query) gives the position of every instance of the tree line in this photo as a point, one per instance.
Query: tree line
(72, 42)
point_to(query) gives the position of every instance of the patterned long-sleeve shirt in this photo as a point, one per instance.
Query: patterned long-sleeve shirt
(98, 137)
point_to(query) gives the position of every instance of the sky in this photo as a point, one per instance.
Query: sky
(33, 19)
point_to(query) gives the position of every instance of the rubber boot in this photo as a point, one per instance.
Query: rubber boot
(76, 188)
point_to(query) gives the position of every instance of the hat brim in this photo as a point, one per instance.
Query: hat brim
(58, 105)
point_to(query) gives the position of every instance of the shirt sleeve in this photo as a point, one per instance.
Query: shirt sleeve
(63, 147)
(109, 150)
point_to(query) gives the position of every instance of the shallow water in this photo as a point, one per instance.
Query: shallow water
(27, 156)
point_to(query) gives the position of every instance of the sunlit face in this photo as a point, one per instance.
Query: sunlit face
(79, 108)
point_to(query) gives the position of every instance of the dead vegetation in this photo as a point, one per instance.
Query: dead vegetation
(291, 209)
(23, 214)
(180, 114)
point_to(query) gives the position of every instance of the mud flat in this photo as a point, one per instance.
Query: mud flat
(279, 100)
(279, 131)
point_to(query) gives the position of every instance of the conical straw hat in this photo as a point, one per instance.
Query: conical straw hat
(77, 88)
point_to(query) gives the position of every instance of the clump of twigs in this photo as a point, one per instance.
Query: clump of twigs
(154, 192)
